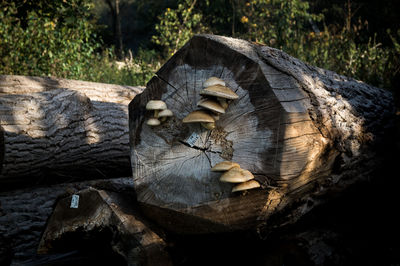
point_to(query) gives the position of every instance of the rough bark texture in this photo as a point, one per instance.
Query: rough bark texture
(62, 127)
(23, 213)
(302, 131)
(106, 213)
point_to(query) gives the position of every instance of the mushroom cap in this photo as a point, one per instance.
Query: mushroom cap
(236, 175)
(213, 81)
(211, 105)
(224, 166)
(153, 122)
(246, 185)
(208, 125)
(219, 91)
(156, 105)
(165, 113)
(198, 116)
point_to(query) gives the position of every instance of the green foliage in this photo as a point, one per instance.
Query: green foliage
(279, 23)
(287, 25)
(57, 44)
(58, 38)
(177, 26)
(135, 71)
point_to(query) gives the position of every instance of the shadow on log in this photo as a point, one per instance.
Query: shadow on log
(302, 131)
(1, 148)
(69, 130)
(103, 220)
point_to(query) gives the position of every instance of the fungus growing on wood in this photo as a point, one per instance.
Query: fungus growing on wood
(211, 105)
(236, 175)
(156, 106)
(221, 92)
(164, 114)
(213, 81)
(199, 116)
(153, 122)
(224, 166)
(246, 186)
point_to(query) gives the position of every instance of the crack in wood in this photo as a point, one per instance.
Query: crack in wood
(198, 148)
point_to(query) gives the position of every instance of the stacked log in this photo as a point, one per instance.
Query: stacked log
(304, 133)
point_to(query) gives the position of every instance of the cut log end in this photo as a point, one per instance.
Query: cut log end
(267, 130)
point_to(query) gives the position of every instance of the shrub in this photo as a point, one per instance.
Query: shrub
(43, 44)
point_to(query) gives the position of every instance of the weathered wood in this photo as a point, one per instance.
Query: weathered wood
(302, 131)
(24, 212)
(63, 128)
(107, 213)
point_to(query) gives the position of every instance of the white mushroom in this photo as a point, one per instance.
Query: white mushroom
(153, 122)
(211, 105)
(202, 117)
(164, 114)
(236, 175)
(246, 185)
(221, 92)
(213, 81)
(156, 106)
(224, 166)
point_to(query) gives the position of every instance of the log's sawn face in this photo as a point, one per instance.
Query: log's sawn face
(267, 130)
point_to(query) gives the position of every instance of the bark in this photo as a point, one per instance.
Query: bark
(63, 128)
(103, 213)
(24, 212)
(301, 130)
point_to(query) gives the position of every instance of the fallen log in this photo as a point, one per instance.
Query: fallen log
(105, 217)
(63, 128)
(24, 212)
(301, 130)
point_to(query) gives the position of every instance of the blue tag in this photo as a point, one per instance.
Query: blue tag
(75, 202)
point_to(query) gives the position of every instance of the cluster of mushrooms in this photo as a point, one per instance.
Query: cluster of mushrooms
(234, 174)
(214, 102)
(161, 112)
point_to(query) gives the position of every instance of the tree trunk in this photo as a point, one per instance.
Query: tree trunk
(63, 128)
(102, 216)
(301, 130)
(116, 20)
